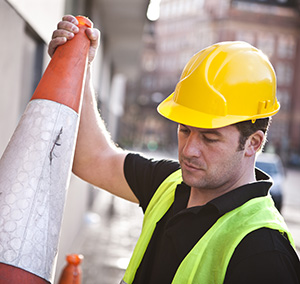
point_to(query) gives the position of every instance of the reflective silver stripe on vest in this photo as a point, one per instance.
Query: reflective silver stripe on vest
(123, 282)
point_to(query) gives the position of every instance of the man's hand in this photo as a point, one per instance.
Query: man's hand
(66, 30)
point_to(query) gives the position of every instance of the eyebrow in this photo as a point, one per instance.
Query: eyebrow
(206, 131)
(215, 132)
(212, 134)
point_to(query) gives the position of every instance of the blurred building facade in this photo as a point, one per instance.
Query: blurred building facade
(188, 26)
(27, 28)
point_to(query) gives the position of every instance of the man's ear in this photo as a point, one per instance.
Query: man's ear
(254, 143)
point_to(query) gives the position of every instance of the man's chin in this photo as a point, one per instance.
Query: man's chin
(191, 179)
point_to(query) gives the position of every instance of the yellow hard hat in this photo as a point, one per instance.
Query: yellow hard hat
(223, 84)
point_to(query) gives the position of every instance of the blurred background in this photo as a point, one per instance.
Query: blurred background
(144, 47)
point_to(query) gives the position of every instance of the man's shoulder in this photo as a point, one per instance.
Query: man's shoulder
(144, 175)
(264, 240)
(159, 166)
(264, 253)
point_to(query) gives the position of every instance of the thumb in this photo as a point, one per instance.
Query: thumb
(94, 36)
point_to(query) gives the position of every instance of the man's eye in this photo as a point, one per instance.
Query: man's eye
(184, 130)
(209, 140)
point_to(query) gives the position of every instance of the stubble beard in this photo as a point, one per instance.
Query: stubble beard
(210, 179)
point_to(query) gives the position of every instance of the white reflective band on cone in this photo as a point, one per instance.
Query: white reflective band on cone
(35, 172)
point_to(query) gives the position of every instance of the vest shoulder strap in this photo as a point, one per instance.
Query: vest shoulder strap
(156, 209)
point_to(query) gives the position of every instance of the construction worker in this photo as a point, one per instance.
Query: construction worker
(209, 217)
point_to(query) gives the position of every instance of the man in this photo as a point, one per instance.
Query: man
(208, 218)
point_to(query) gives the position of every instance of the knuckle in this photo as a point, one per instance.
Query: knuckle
(60, 24)
(54, 34)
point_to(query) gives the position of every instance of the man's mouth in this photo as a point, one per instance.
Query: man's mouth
(191, 166)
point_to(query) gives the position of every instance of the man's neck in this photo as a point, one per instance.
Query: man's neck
(199, 197)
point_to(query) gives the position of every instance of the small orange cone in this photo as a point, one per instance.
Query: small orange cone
(35, 168)
(72, 272)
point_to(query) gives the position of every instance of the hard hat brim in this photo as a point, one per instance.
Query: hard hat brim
(187, 116)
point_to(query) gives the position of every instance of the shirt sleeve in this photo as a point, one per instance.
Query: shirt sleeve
(145, 175)
(264, 256)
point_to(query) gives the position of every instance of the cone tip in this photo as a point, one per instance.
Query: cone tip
(84, 21)
(74, 258)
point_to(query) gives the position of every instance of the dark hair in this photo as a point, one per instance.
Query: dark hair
(247, 128)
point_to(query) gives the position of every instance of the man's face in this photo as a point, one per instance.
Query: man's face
(209, 158)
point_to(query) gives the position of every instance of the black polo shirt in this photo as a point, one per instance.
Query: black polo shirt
(263, 256)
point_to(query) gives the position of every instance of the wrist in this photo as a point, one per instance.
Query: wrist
(88, 73)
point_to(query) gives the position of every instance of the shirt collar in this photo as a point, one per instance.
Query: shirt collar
(234, 198)
(242, 194)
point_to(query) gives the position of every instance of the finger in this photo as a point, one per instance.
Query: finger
(70, 18)
(94, 36)
(68, 26)
(54, 43)
(62, 33)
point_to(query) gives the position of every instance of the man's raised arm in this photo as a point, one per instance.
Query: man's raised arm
(97, 159)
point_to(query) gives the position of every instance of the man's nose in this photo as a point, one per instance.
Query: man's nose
(193, 146)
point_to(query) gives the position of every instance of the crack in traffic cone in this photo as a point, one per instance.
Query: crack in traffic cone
(35, 168)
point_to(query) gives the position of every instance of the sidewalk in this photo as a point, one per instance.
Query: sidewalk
(292, 218)
(109, 239)
(291, 204)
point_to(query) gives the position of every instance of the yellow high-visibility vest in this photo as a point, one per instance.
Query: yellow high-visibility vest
(218, 243)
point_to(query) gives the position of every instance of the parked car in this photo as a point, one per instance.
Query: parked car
(272, 165)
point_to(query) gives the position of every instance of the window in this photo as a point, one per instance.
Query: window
(286, 47)
(284, 100)
(266, 42)
(246, 36)
(33, 53)
(285, 73)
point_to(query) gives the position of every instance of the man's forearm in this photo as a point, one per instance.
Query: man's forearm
(92, 133)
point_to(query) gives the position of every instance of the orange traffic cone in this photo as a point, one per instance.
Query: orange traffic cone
(35, 168)
(72, 272)
(64, 76)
